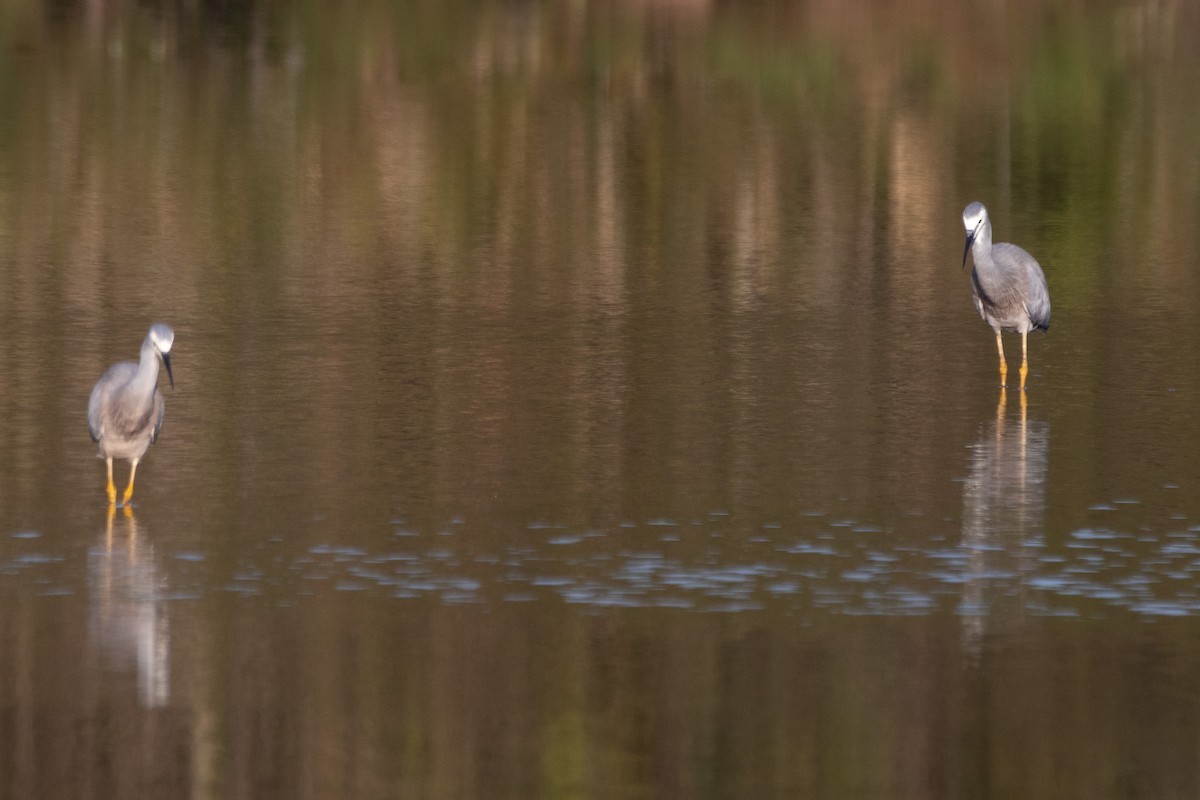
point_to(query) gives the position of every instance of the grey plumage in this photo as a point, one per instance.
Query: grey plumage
(125, 411)
(1008, 284)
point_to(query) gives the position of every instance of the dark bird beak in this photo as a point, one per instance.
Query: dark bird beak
(166, 357)
(970, 241)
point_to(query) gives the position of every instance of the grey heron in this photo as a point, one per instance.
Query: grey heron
(1008, 284)
(125, 412)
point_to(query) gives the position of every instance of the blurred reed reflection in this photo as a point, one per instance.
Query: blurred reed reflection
(127, 613)
(1004, 507)
(447, 270)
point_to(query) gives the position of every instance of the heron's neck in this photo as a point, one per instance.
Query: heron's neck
(981, 249)
(146, 379)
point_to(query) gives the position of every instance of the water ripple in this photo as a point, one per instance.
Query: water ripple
(815, 563)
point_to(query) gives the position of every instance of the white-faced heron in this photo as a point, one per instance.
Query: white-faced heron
(125, 412)
(1008, 284)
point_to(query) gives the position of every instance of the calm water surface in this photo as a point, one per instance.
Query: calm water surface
(586, 400)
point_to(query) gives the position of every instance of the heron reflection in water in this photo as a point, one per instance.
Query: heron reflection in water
(127, 615)
(1004, 507)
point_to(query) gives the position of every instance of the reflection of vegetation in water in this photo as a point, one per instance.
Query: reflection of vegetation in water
(374, 162)
(1049, 99)
(575, 259)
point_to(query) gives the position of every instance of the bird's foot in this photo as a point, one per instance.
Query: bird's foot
(112, 494)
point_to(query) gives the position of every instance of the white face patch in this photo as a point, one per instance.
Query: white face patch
(973, 216)
(162, 339)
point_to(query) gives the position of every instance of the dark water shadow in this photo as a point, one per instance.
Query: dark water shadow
(1004, 509)
(127, 615)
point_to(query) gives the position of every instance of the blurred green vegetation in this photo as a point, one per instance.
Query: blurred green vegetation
(1056, 98)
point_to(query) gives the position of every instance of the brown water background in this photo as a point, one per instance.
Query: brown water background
(584, 399)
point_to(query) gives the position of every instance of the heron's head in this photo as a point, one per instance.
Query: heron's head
(162, 337)
(974, 217)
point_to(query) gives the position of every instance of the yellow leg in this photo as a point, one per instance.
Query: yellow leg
(1003, 363)
(129, 489)
(1024, 358)
(112, 490)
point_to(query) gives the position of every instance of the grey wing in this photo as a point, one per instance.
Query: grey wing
(113, 378)
(1024, 283)
(159, 409)
(1038, 303)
